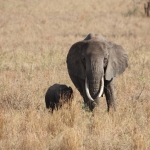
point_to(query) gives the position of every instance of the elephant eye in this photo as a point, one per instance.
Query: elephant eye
(83, 59)
(105, 62)
(105, 59)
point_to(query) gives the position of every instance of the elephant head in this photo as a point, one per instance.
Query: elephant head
(95, 60)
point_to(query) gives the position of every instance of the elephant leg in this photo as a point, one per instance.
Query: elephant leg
(80, 85)
(47, 104)
(109, 93)
(52, 106)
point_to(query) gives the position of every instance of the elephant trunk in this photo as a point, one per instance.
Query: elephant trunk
(94, 86)
(98, 94)
(94, 80)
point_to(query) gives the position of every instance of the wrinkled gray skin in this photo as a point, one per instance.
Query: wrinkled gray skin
(94, 58)
(56, 95)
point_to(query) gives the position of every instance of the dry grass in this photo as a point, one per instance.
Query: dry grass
(35, 38)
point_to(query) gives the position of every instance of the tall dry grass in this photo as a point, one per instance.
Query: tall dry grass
(35, 37)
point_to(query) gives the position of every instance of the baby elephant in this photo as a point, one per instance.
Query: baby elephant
(56, 95)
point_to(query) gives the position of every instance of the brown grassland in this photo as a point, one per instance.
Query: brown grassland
(35, 37)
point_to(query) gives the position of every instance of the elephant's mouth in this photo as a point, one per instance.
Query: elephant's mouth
(100, 91)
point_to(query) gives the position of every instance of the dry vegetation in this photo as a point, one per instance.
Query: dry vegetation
(35, 37)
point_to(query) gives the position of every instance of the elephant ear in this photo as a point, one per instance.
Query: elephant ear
(117, 61)
(74, 60)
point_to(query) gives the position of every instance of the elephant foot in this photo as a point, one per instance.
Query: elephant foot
(113, 106)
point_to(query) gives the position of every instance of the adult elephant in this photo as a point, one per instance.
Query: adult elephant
(92, 64)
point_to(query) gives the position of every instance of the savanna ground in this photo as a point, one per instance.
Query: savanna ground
(35, 37)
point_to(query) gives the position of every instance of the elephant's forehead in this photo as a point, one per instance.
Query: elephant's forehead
(95, 47)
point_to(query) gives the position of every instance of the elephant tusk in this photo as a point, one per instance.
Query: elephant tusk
(102, 88)
(87, 90)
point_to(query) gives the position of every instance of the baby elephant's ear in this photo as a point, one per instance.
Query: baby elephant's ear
(70, 89)
(117, 61)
